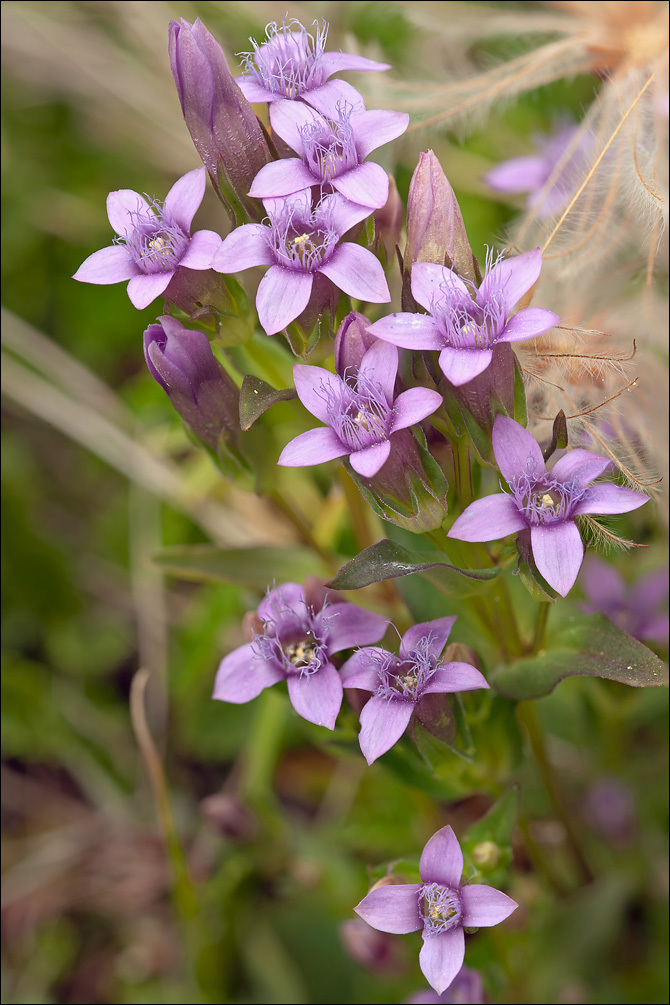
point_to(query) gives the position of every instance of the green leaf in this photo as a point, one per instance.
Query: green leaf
(559, 435)
(387, 560)
(256, 396)
(257, 567)
(499, 823)
(591, 647)
(487, 846)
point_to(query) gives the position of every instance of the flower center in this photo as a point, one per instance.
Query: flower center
(287, 64)
(301, 654)
(156, 243)
(441, 908)
(406, 678)
(360, 414)
(544, 500)
(302, 239)
(329, 144)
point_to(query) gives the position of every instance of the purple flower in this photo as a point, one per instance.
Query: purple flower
(546, 502)
(295, 644)
(639, 609)
(531, 174)
(153, 240)
(360, 411)
(440, 906)
(292, 64)
(182, 362)
(399, 682)
(465, 330)
(331, 151)
(299, 242)
(465, 989)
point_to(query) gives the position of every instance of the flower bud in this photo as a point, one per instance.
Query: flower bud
(435, 228)
(352, 342)
(410, 489)
(182, 362)
(230, 816)
(222, 124)
(376, 951)
(388, 219)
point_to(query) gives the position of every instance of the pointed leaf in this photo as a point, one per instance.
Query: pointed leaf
(256, 396)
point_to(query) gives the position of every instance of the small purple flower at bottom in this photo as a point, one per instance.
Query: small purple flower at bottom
(360, 411)
(154, 240)
(546, 502)
(295, 644)
(440, 906)
(640, 609)
(398, 683)
(466, 989)
(300, 241)
(465, 323)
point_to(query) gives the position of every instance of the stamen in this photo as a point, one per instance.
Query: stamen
(406, 678)
(544, 500)
(288, 62)
(291, 638)
(441, 908)
(329, 144)
(360, 414)
(302, 238)
(156, 243)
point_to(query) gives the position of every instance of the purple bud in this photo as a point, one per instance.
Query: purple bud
(435, 228)
(230, 816)
(410, 489)
(352, 342)
(609, 806)
(376, 951)
(222, 124)
(388, 219)
(182, 362)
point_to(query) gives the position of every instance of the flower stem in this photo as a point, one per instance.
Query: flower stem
(527, 714)
(462, 471)
(540, 626)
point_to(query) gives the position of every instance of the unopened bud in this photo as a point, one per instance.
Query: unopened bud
(486, 855)
(230, 816)
(388, 219)
(352, 342)
(376, 951)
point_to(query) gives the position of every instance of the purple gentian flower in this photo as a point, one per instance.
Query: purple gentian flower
(296, 643)
(399, 682)
(465, 330)
(466, 988)
(440, 906)
(531, 174)
(331, 151)
(300, 241)
(360, 411)
(639, 609)
(546, 502)
(292, 64)
(153, 240)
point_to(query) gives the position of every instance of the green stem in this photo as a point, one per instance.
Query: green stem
(261, 750)
(462, 471)
(540, 626)
(527, 714)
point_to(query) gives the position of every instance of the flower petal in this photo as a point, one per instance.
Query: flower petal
(380, 363)
(608, 498)
(343, 214)
(375, 128)
(520, 174)
(581, 466)
(441, 958)
(484, 906)
(201, 250)
(288, 119)
(460, 366)
(122, 206)
(366, 185)
(243, 248)
(434, 633)
(325, 98)
(409, 331)
(314, 385)
(528, 323)
(184, 198)
(368, 461)
(432, 283)
(284, 606)
(313, 447)
(362, 670)
(107, 266)
(281, 178)
(383, 721)
(442, 859)
(516, 451)
(558, 551)
(414, 405)
(242, 676)
(357, 272)
(254, 92)
(282, 297)
(143, 289)
(452, 677)
(346, 625)
(317, 697)
(393, 909)
(512, 277)
(488, 519)
(335, 62)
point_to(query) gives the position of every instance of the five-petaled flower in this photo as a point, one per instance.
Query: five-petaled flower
(301, 241)
(546, 502)
(398, 683)
(295, 643)
(154, 240)
(293, 64)
(465, 323)
(331, 152)
(440, 906)
(360, 411)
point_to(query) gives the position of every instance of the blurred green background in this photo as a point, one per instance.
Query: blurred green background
(97, 476)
